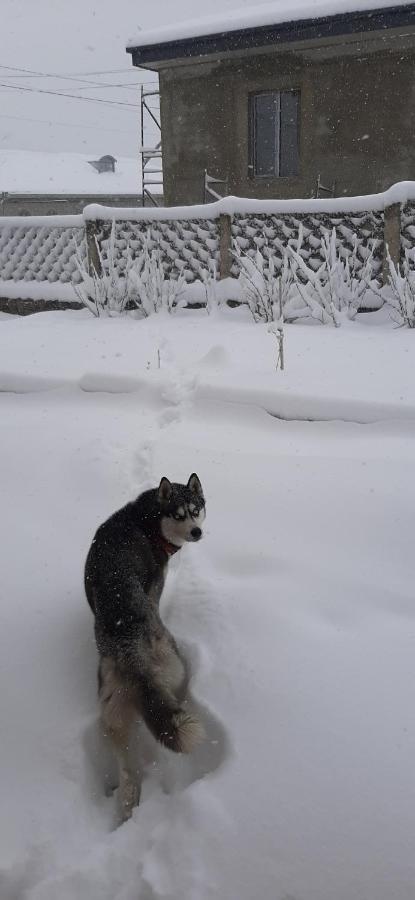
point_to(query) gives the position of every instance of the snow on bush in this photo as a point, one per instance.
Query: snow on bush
(149, 289)
(265, 291)
(104, 293)
(360, 286)
(209, 278)
(339, 285)
(296, 291)
(274, 291)
(142, 285)
(401, 301)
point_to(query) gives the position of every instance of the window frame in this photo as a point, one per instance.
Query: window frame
(277, 92)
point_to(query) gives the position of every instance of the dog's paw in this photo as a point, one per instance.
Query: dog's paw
(128, 795)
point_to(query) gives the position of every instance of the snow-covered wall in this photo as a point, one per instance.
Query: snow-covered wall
(187, 245)
(272, 233)
(43, 249)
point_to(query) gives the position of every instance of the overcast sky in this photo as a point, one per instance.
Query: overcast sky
(83, 39)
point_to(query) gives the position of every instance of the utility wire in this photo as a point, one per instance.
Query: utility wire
(119, 103)
(64, 124)
(125, 84)
(32, 73)
(116, 72)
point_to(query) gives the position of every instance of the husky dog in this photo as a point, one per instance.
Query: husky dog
(141, 673)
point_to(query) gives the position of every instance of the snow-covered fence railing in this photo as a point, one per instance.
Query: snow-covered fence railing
(41, 248)
(187, 246)
(235, 223)
(273, 233)
(42, 251)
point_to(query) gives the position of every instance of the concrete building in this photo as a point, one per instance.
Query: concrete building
(286, 108)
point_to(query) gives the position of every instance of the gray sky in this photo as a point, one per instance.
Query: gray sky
(83, 39)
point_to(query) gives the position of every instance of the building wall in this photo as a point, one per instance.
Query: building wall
(197, 130)
(357, 123)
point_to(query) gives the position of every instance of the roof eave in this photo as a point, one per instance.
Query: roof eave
(334, 26)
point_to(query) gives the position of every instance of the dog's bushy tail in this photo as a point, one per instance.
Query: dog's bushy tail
(169, 722)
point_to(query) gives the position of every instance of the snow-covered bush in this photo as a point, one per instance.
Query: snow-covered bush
(141, 285)
(264, 288)
(149, 289)
(277, 329)
(317, 289)
(298, 291)
(104, 293)
(401, 301)
(360, 286)
(209, 278)
(338, 286)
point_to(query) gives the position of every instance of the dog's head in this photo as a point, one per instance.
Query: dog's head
(182, 510)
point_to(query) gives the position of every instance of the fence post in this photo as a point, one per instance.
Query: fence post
(392, 238)
(92, 230)
(225, 246)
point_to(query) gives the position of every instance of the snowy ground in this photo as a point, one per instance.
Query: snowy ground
(296, 611)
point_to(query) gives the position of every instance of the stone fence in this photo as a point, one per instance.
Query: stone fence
(40, 256)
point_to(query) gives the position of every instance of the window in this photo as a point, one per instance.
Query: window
(274, 134)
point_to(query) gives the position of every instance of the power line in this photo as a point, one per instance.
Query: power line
(120, 103)
(33, 73)
(115, 72)
(131, 69)
(129, 85)
(126, 84)
(64, 124)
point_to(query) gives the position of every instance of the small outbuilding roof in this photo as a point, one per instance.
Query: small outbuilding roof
(282, 21)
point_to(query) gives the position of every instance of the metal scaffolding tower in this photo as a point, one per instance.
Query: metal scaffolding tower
(150, 117)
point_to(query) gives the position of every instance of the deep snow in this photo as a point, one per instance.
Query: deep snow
(296, 611)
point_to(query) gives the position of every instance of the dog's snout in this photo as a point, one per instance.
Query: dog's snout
(196, 533)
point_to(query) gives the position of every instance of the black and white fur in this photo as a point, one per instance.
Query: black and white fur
(141, 673)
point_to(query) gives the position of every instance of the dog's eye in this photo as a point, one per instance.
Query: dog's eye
(178, 517)
(195, 511)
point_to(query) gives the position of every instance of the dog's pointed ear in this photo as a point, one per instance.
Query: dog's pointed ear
(164, 491)
(194, 485)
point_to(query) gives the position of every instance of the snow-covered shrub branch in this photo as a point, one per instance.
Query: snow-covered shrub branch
(209, 278)
(149, 289)
(264, 287)
(103, 292)
(401, 301)
(141, 285)
(296, 290)
(339, 285)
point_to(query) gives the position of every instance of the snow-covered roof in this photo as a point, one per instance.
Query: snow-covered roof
(256, 16)
(29, 171)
